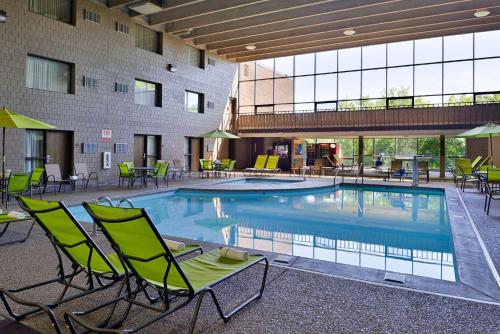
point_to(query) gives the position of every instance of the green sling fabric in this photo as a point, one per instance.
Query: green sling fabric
(36, 176)
(18, 182)
(6, 219)
(272, 162)
(64, 229)
(137, 238)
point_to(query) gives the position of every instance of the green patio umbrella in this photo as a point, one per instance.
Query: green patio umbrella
(219, 134)
(488, 130)
(10, 119)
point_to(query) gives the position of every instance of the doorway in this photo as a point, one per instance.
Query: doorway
(193, 152)
(49, 147)
(146, 150)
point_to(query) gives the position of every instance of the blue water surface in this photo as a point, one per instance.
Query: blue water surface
(394, 229)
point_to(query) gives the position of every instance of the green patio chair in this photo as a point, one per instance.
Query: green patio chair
(36, 180)
(492, 189)
(70, 240)
(224, 163)
(206, 167)
(160, 172)
(475, 162)
(272, 164)
(260, 164)
(230, 169)
(154, 267)
(17, 184)
(464, 172)
(126, 173)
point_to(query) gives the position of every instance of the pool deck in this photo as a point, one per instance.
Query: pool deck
(298, 298)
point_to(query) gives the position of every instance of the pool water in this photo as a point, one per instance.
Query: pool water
(254, 180)
(394, 229)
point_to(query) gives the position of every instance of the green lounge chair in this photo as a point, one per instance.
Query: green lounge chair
(475, 162)
(272, 164)
(154, 266)
(160, 172)
(17, 184)
(492, 189)
(36, 180)
(70, 239)
(5, 221)
(260, 164)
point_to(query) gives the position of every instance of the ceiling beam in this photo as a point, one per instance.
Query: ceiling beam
(296, 15)
(333, 21)
(198, 9)
(370, 25)
(366, 41)
(270, 6)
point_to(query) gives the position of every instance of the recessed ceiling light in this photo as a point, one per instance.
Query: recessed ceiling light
(349, 32)
(3, 16)
(481, 13)
(250, 47)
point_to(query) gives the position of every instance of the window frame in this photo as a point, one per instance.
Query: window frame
(71, 74)
(201, 101)
(158, 93)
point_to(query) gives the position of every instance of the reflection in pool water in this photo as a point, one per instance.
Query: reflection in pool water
(399, 230)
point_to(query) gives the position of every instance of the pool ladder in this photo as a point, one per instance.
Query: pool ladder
(108, 200)
(360, 172)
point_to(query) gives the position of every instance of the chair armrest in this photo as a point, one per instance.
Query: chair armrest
(93, 173)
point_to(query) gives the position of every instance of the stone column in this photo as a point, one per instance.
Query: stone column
(360, 150)
(442, 156)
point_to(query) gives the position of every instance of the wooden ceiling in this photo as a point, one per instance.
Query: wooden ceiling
(288, 27)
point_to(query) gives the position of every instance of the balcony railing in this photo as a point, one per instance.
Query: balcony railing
(427, 117)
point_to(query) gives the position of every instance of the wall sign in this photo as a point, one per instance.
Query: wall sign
(106, 136)
(106, 160)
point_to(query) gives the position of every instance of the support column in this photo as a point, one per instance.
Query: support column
(361, 145)
(442, 156)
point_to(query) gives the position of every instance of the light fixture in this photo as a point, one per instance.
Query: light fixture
(481, 13)
(250, 47)
(349, 32)
(171, 68)
(3, 16)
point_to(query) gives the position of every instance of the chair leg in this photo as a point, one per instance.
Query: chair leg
(489, 203)
(485, 202)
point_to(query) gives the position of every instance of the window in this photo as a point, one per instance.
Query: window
(484, 45)
(283, 67)
(458, 77)
(34, 155)
(264, 92)
(400, 53)
(194, 102)
(283, 90)
(373, 84)
(458, 47)
(374, 56)
(147, 93)
(326, 87)
(265, 69)
(47, 74)
(304, 64)
(350, 59)
(304, 89)
(486, 75)
(147, 39)
(247, 71)
(246, 93)
(400, 81)
(428, 50)
(350, 85)
(326, 62)
(60, 10)
(428, 79)
(326, 106)
(196, 57)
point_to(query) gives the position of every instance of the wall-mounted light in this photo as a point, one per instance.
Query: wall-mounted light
(3, 16)
(333, 145)
(171, 68)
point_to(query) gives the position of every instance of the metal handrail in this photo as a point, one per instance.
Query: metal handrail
(360, 172)
(105, 199)
(126, 200)
(335, 176)
(110, 202)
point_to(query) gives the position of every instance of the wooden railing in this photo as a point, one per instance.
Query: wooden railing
(442, 117)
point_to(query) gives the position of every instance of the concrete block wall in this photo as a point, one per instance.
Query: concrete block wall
(100, 52)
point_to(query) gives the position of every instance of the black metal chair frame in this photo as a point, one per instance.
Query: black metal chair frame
(490, 192)
(86, 179)
(23, 239)
(165, 295)
(62, 277)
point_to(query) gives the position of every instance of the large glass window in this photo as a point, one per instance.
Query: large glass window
(374, 56)
(458, 77)
(247, 71)
(304, 89)
(487, 75)
(374, 84)
(283, 90)
(147, 93)
(400, 81)
(246, 93)
(264, 69)
(458, 47)
(428, 79)
(350, 85)
(147, 39)
(48, 74)
(350, 59)
(326, 87)
(304, 64)
(428, 50)
(283, 67)
(486, 44)
(194, 102)
(34, 155)
(326, 61)
(61, 10)
(195, 57)
(400, 53)
(264, 92)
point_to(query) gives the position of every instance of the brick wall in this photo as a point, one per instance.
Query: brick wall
(100, 52)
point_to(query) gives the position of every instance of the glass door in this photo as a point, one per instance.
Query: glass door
(34, 150)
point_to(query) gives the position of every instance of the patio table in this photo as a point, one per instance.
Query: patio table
(144, 171)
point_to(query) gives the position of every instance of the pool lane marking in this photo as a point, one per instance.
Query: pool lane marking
(491, 265)
(385, 285)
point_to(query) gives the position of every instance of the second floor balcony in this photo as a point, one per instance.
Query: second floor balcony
(426, 117)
